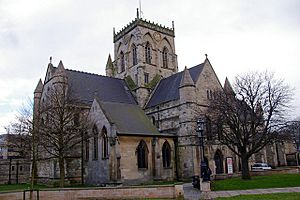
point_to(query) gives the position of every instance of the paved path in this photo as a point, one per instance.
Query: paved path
(254, 191)
(191, 193)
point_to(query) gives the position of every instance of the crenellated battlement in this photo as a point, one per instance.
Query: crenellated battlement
(146, 24)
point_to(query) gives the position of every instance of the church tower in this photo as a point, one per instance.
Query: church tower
(144, 52)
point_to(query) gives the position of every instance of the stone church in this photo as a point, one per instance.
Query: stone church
(143, 112)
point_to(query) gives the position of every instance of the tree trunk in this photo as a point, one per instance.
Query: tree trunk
(33, 167)
(61, 171)
(245, 168)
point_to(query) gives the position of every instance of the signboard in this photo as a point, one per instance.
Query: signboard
(229, 165)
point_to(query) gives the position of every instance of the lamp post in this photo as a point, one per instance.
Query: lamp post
(205, 175)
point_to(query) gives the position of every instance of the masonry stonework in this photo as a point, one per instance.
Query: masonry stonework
(144, 103)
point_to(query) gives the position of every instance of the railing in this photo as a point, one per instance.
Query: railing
(31, 192)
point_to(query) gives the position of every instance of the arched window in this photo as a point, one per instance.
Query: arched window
(166, 155)
(211, 94)
(87, 146)
(142, 155)
(104, 143)
(146, 78)
(134, 55)
(153, 120)
(122, 61)
(207, 94)
(165, 57)
(148, 53)
(95, 143)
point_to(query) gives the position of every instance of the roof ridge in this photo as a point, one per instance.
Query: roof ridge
(163, 93)
(94, 74)
(182, 71)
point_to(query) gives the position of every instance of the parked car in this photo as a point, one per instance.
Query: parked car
(261, 166)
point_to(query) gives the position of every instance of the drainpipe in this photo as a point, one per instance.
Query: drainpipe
(176, 158)
(9, 172)
(17, 173)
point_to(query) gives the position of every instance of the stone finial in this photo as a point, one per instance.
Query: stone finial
(50, 63)
(186, 79)
(39, 87)
(109, 63)
(137, 13)
(61, 70)
(206, 55)
(173, 26)
(60, 65)
(110, 70)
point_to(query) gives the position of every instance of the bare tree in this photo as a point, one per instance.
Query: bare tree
(62, 126)
(292, 131)
(23, 137)
(19, 131)
(250, 114)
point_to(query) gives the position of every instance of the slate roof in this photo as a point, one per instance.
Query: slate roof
(116, 100)
(85, 87)
(129, 119)
(168, 88)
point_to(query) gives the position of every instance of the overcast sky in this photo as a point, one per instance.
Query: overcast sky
(238, 36)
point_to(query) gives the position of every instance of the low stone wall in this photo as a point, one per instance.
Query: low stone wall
(134, 192)
(288, 170)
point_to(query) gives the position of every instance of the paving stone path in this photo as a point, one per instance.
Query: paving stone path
(191, 193)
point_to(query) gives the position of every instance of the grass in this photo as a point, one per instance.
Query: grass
(159, 183)
(274, 196)
(256, 182)
(19, 187)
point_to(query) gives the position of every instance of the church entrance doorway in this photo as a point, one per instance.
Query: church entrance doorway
(219, 162)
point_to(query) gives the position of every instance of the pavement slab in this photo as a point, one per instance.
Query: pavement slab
(191, 193)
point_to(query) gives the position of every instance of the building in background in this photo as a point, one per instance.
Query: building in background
(13, 167)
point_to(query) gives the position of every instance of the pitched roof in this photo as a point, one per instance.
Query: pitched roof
(129, 119)
(85, 87)
(168, 88)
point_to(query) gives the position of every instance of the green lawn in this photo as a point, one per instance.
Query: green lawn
(6, 187)
(19, 187)
(271, 181)
(278, 196)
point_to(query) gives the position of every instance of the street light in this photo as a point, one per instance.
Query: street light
(205, 175)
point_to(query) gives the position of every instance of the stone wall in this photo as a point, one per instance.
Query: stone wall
(290, 170)
(20, 171)
(131, 174)
(159, 192)
(98, 170)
